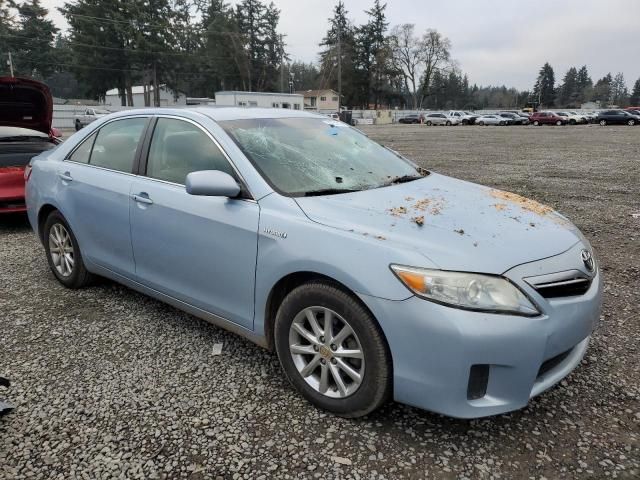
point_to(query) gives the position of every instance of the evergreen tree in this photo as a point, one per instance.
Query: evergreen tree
(305, 76)
(544, 89)
(568, 92)
(225, 56)
(7, 31)
(373, 54)
(619, 91)
(602, 90)
(33, 54)
(339, 26)
(635, 94)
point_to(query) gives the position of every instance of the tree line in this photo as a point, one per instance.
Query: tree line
(203, 46)
(577, 87)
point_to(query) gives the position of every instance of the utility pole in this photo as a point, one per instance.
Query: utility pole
(281, 64)
(339, 65)
(156, 92)
(10, 63)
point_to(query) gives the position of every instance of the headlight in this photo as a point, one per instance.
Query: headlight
(471, 291)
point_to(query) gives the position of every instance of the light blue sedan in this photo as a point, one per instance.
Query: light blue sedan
(371, 277)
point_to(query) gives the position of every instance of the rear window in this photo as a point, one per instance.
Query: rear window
(116, 145)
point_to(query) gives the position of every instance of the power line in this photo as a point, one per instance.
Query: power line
(131, 50)
(89, 67)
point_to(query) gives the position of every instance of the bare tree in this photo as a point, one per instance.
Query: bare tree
(407, 57)
(436, 57)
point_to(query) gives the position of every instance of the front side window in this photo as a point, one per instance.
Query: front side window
(82, 153)
(302, 156)
(116, 144)
(179, 148)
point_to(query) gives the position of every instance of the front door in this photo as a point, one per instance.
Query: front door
(200, 250)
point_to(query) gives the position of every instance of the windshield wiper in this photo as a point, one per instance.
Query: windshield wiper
(404, 179)
(328, 191)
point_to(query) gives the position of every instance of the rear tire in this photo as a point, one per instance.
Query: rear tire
(572, 122)
(316, 352)
(481, 124)
(559, 123)
(63, 253)
(78, 126)
(448, 123)
(603, 123)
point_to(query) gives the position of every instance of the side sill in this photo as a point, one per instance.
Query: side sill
(185, 307)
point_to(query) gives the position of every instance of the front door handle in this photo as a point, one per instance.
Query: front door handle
(66, 176)
(142, 198)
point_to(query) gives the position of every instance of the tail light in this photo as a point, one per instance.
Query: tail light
(27, 173)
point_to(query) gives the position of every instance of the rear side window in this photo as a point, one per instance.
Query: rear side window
(179, 148)
(82, 153)
(116, 144)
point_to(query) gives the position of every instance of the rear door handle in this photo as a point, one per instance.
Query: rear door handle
(142, 198)
(66, 176)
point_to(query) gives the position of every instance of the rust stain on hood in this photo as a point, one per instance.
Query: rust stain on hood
(523, 202)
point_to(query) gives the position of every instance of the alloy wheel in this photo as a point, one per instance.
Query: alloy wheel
(61, 249)
(326, 352)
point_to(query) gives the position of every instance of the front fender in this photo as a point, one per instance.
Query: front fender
(288, 242)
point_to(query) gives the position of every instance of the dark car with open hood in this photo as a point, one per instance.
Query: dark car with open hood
(26, 112)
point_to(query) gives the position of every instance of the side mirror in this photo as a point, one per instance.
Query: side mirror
(212, 183)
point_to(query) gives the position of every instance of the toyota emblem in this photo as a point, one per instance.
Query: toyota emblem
(587, 259)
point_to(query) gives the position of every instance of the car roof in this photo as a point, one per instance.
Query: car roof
(220, 114)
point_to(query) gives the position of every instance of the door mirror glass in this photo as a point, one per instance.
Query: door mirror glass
(212, 183)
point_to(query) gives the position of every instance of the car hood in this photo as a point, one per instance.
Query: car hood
(457, 225)
(25, 103)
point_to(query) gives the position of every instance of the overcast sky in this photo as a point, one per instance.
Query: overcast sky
(494, 41)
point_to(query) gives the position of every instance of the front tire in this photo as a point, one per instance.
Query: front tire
(63, 253)
(481, 124)
(559, 123)
(603, 123)
(536, 123)
(631, 123)
(78, 126)
(448, 124)
(332, 350)
(428, 123)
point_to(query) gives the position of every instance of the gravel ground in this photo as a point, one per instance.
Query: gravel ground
(111, 384)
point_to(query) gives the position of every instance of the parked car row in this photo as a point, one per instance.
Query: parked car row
(629, 116)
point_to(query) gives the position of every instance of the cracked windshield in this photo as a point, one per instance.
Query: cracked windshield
(307, 156)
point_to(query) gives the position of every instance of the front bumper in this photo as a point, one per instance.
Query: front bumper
(441, 354)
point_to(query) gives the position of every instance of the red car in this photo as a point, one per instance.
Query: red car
(26, 111)
(547, 118)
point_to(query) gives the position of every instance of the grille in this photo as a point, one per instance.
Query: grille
(563, 284)
(553, 362)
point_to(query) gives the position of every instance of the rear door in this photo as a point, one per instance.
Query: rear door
(200, 250)
(94, 185)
